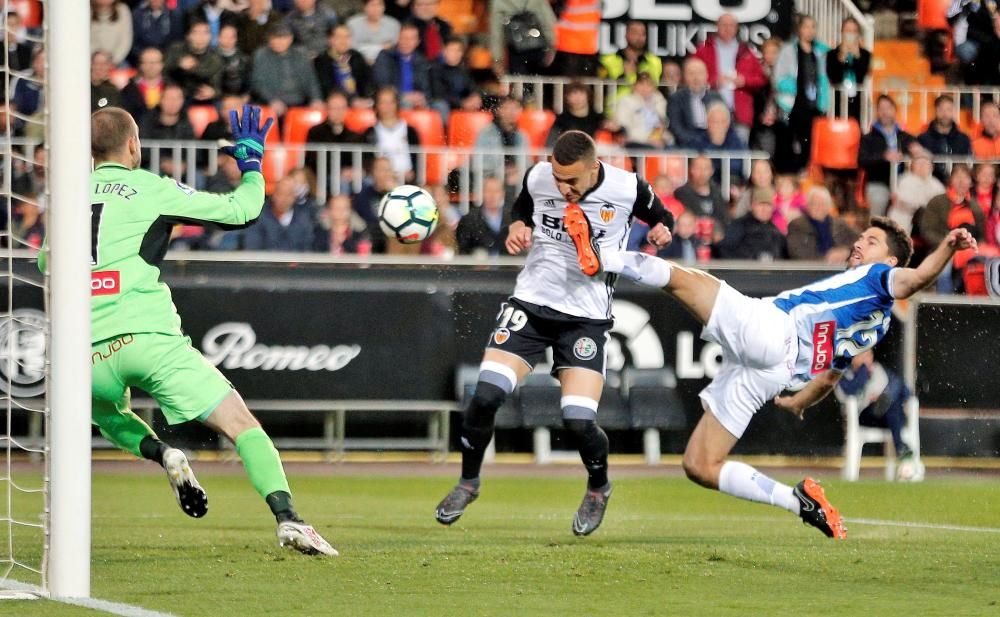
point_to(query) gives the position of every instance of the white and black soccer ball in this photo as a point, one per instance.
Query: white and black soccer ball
(408, 213)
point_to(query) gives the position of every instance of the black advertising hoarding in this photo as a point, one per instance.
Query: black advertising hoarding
(952, 374)
(677, 28)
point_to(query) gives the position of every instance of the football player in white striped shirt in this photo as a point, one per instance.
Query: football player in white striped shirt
(801, 339)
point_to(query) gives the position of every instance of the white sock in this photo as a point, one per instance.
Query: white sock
(743, 481)
(639, 267)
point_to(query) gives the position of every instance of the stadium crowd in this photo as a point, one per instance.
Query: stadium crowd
(188, 62)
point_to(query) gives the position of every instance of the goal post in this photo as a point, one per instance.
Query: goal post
(68, 136)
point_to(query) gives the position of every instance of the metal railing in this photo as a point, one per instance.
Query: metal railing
(830, 13)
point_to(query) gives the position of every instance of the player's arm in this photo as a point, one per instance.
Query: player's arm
(650, 210)
(814, 392)
(908, 281)
(522, 222)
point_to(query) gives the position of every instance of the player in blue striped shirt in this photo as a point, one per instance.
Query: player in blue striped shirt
(800, 340)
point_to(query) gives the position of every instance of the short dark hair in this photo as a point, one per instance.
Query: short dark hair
(900, 244)
(110, 128)
(886, 98)
(573, 146)
(942, 99)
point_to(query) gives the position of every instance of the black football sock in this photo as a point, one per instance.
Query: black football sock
(592, 442)
(477, 429)
(152, 448)
(280, 503)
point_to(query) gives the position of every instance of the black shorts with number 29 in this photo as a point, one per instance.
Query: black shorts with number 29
(527, 330)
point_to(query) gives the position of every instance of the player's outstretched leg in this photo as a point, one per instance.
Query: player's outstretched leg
(263, 466)
(496, 381)
(580, 419)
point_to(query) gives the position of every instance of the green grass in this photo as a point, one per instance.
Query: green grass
(667, 548)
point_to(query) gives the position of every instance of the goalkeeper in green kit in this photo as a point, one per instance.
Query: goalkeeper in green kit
(135, 330)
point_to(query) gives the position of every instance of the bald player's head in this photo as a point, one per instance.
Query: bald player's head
(114, 136)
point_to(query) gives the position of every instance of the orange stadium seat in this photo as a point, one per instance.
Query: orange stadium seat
(463, 129)
(673, 166)
(278, 161)
(536, 123)
(273, 136)
(835, 143)
(201, 116)
(298, 121)
(359, 119)
(121, 77)
(932, 14)
(29, 10)
(427, 123)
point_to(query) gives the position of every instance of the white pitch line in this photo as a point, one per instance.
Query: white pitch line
(941, 526)
(114, 608)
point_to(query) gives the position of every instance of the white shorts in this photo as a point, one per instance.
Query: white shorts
(759, 348)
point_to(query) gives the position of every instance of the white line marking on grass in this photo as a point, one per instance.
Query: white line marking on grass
(941, 526)
(114, 608)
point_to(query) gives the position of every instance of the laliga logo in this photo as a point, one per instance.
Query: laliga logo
(22, 353)
(709, 361)
(233, 345)
(641, 342)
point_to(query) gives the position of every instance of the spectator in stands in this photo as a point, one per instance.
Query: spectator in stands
(283, 76)
(632, 60)
(818, 234)
(451, 84)
(111, 28)
(227, 178)
(753, 235)
(501, 133)
(405, 69)
(984, 187)
(975, 28)
(167, 121)
(801, 86)
(333, 131)
(310, 25)
(987, 144)
(343, 233)
(433, 30)
(343, 68)
(32, 179)
(215, 15)
(847, 69)
(577, 34)
(916, 187)
(522, 56)
(943, 136)
(142, 92)
(577, 115)
(195, 66)
(882, 396)
(282, 226)
(772, 135)
(685, 244)
(392, 136)
(734, 71)
(482, 230)
(663, 185)
(688, 105)
(642, 114)
(720, 136)
(154, 25)
(374, 31)
(19, 49)
(955, 208)
(28, 224)
(381, 180)
(255, 22)
(769, 51)
(221, 128)
(29, 97)
(789, 202)
(992, 236)
(305, 188)
(102, 91)
(761, 177)
(672, 76)
(701, 195)
(235, 77)
(883, 146)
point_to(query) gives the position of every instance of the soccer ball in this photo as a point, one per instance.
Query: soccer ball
(408, 213)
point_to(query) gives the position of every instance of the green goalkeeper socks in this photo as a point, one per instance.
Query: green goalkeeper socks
(261, 460)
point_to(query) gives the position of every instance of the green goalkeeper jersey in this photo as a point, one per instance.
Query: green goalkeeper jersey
(132, 215)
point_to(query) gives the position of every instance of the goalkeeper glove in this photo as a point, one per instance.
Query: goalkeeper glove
(249, 137)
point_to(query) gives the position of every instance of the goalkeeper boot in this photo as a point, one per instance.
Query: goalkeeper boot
(578, 227)
(298, 535)
(454, 503)
(588, 518)
(815, 510)
(190, 496)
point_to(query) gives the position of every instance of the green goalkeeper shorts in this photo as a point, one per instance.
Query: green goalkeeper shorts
(184, 384)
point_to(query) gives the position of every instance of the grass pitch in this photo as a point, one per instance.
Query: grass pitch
(667, 547)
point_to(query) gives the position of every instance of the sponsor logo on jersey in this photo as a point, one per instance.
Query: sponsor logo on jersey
(553, 227)
(105, 283)
(233, 345)
(501, 335)
(585, 348)
(607, 213)
(22, 353)
(822, 346)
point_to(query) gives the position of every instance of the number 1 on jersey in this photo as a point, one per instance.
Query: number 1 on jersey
(96, 212)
